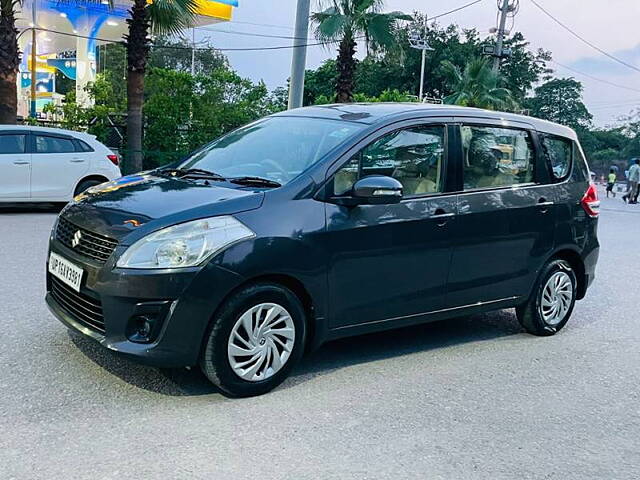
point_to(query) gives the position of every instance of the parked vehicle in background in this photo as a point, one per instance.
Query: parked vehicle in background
(39, 164)
(325, 222)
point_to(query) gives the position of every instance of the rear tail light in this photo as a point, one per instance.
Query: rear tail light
(590, 201)
(114, 159)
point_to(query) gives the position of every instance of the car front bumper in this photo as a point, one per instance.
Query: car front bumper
(179, 305)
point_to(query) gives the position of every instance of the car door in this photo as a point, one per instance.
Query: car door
(390, 262)
(56, 166)
(506, 215)
(15, 165)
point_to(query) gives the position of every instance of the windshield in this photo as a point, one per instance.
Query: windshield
(276, 148)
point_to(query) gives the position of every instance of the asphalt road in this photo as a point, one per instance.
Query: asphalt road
(471, 398)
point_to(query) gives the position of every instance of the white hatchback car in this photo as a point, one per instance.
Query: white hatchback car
(40, 164)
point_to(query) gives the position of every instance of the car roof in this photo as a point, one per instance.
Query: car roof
(373, 113)
(57, 131)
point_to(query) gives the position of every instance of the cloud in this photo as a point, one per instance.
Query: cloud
(599, 64)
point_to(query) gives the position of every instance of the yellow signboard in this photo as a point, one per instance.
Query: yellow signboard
(207, 8)
(214, 9)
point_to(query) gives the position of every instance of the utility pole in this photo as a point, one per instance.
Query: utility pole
(504, 11)
(299, 59)
(32, 109)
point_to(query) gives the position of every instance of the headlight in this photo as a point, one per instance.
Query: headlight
(184, 245)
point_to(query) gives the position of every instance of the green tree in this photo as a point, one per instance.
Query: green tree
(183, 112)
(176, 55)
(398, 67)
(524, 67)
(320, 82)
(9, 61)
(170, 96)
(560, 100)
(478, 86)
(161, 17)
(343, 22)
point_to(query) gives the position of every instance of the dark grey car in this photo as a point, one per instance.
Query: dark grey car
(325, 222)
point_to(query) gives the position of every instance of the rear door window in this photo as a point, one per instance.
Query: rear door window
(48, 144)
(496, 157)
(12, 143)
(558, 152)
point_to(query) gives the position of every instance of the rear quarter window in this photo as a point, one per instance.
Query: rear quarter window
(82, 146)
(559, 155)
(581, 168)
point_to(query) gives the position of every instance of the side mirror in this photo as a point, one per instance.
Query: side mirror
(374, 190)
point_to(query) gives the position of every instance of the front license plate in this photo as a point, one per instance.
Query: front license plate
(64, 270)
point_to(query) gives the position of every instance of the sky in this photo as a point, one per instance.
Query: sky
(611, 25)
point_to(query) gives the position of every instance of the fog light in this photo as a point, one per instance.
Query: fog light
(141, 328)
(144, 327)
(145, 323)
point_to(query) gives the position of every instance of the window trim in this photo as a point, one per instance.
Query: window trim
(383, 132)
(480, 123)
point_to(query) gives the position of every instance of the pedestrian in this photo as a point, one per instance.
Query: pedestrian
(611, 181)
(634, 178)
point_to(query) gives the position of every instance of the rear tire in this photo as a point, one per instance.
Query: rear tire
(552, 301)
(267, 321)
(84, 185)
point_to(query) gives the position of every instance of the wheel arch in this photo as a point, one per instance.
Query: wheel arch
(575, 260)
(293, 284)
(97, 177)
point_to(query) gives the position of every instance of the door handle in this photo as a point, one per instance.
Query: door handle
(77, 160)
(544, 205)
(442, 217)
(21, 162)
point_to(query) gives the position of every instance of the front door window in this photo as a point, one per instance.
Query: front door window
(414, 156)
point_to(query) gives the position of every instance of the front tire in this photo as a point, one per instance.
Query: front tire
(552, 300)
(85, 185)
(255, 340)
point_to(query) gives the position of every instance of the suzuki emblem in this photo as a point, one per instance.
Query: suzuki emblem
(75, 241)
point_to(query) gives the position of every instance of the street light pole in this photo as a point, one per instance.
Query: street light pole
(32, 109)
(418, 40)
(193, 52)
(424, 58)
(299, 59)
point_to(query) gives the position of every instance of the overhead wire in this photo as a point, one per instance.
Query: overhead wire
(584, 40)
(236, 49)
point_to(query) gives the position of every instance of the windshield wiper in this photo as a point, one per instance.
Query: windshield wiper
(258, 181)
(190, 172)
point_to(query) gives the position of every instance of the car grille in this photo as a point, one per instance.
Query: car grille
(85, 242)
(83, 308)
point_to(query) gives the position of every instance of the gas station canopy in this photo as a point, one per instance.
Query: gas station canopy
(79, 27)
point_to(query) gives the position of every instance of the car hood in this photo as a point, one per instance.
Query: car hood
(135, 205)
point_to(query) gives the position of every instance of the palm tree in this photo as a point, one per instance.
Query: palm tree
(343, 22)
(166, 17)
(9, 61)
(478, 86)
